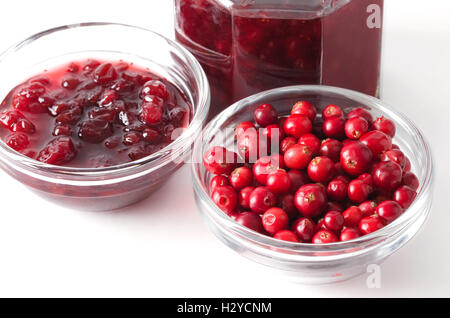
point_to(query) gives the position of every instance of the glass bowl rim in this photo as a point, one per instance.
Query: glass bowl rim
(232, 226)
(156, 158)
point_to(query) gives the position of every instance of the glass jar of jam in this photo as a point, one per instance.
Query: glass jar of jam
(247, 46)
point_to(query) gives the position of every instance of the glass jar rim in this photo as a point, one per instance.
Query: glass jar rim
(156, 159)
(358, 243)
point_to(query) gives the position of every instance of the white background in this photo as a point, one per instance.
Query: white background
(160, 247)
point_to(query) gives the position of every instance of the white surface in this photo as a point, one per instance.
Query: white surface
(160, 247)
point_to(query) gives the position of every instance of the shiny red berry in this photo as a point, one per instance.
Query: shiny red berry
(387, 175)
(311, 200)
(321, 169)
(334, 127)
(352, 216)
(337, 190)
(333, 221)
(394, 155)
(225, 197)
(250, 220)
(286, 143)
(358, 191)
(297, 125)
(279, 182)
(265, 114)
(385, 125)
(331, 148)
(324, 237)
(287, 236)
(219, 160)
(244, 197)
(312, 142)
(275, 220)
(356, 127)
(306, 109)
(332, 111)
(404, 196)
(356, 158)
(262, 199)
(298, 157)
(389, 210)
(368, 208)
(409, 179)
(305, 229)
(360, 112)
(218, 181)
(241, 177)
(370, 224)
(265, 166)
(349, 234)
(377, 141)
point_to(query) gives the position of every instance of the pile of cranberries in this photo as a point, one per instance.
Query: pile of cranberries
(324, 179)
(92, 114)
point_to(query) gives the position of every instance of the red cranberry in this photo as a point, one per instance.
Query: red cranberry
(23, 125)
(389, 210)
(250, 220)
(17, 141)
(394, 155)
(367, 179)
(131, 138)
(218, 160)
(265, 166)
(404, 196)
(286, 235)
(356, 127)
(385, 125)
(358, 191)
(151, 135)
(334, 127)
(306, 109)
(286, 143)
(265, 115)
(370, 224)
(352, 216)
(287, 203)
(321, 169)
(242, 127)
(305, 229)
(332, 111)
(251, 145)
(275, 220)
(244, 197)
(312, 142)
(311, 200)
(297, 125)
(349, 234)
(331, 148)
(152, 110)
(10, 117)
(225, 198)
(58, 151)
(273, 134)
(62, 130)
(298, 179)
(297, 157)
(360, 112)
(241, 177)
(377, 141)
(409, 179)
(105, 74)
(356, 158)
(407, 167)
(337, 190)
(324, 237)
(155, 88)
(368, 208)
(333, 221)
(218, 181)
(95, 130)
(70, 82)
(387, 175)
(262, 199)
(279, 182)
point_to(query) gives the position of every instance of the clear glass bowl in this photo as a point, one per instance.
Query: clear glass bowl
(121, 185)
(308, 263)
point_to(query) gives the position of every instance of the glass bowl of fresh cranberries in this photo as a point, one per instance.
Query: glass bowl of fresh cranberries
(96, 116)
(318, 182)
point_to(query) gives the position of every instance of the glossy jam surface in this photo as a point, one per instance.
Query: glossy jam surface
(246, 49)
(92, 114)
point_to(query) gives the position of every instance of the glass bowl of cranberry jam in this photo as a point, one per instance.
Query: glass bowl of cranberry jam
(98, 124)
(278, 200)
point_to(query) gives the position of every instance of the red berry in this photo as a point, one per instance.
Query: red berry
(349, 233)
(311, 200)
(105, 74)
(332, 111)
(58, 151)
(250, 220)
(297, 125)
(155, 88)
(370, 224)
(298, 157)
(312, 142)
(404, 196)
(287, 203)
(368, 208)
(331, 148)
(286, 143)
(385, 125)
(337, 190)
(279, 182)
(356, 158)
(407, 167)
(242, 127)
(306, 109)
(334, 127)
(265, 166)
(225, 198)
(377, 141)
(17, 141)
(324, 237)
(305, 229)
(356, 127)
(352, 216)
(321, 169)
(251, 145)
(389, 210)
(358, 191)
(286, 235)
(219, 160)
(409, 179)
(360, 112)
(265, 115)
(273, 134)
(218, 181)
(241, 177)
(152, 110)
(333, 221)
(298, 179)
(262, 199)
(387, 175)
(394, 155)
(244, 197)
(275, 220)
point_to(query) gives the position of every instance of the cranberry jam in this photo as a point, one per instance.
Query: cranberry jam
(249, 46)
(92, 114)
